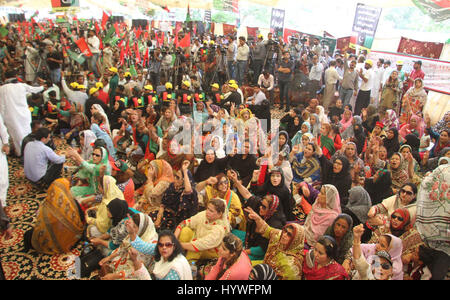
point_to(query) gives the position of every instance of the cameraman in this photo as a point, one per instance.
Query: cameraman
(271, 48)
(166, 63)
(259, 54)
(295, 48)
(54, 62)
(155, 66)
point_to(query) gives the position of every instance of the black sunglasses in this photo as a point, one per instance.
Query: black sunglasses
(406, 192)
(98, 155)
(385, 266)
(397, 217)
(167, 245)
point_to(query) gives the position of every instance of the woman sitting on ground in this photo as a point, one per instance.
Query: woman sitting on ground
(125, 264)
(179, 201)
(285, 252)
(202, 234)
(89, 173)
(320, 262)
(170, 263)
(233, 263)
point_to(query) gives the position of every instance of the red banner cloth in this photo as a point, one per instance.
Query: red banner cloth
(425, 49)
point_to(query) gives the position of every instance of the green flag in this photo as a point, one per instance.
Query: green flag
(109, 35)
(133, 71)
(3, 31)
(79, 58)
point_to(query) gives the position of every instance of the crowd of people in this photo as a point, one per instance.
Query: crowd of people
(176, 170)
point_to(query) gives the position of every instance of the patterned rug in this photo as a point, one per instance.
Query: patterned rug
(23, 202)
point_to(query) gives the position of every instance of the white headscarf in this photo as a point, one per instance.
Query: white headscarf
(89, 138)
(180, 264)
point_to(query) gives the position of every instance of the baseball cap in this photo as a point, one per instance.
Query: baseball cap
(232, 81)
(369, 62)
(399, 63)
(81, 87)
(169, 85)
(127, 74)
(113, 69)
(215, 85)
(119, 165)
(379, 124)
(148, 87)
(99, 85)
(93, 90)
(234, 86)
(74, 85)
(385, 255)
(187, 83)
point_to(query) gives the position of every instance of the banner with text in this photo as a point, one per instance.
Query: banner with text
(65, 6)
(437, 72)
(365, 25)
(277, 21)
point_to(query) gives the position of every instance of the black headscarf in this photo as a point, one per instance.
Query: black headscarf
(118, 209)
(359, 137)
(392, 145)
(414, 142)
(281, 190)
(381, 189)
(206, 170)
(342, 180)
(115, 115)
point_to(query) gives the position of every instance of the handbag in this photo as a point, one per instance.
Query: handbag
(89, 259)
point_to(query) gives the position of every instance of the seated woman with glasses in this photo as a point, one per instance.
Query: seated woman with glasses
(233, 263)
(202, 234)
(405, 198)
(376, 267)
(89, 173)
(170, 262)
(219, 187)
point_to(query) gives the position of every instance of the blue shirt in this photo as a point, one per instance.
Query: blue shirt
(36, 158)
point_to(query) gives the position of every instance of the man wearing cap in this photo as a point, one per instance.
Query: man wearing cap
(184, 98)
(375, 267)
(113, 82)
(363, 98)
(401, 73)
(234, 97)
(259, 54)
(93, 99)
(102, 95)
(77, 96)
(416, 73)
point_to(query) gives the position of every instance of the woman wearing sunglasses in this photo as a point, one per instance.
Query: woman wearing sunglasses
(405, 198)
(170, 263)
(219, 187)
(377, 267)
(233, 263)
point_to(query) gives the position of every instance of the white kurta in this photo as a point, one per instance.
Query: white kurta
(4, 181)
(15, 111)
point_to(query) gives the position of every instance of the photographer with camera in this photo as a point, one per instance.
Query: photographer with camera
(271, 49)
(155, 68)
(295, 48)
(259, 54)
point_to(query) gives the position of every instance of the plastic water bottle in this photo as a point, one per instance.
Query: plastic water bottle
(194, 270)
(73, 143)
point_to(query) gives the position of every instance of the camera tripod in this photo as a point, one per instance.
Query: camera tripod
(216, 71)
(175, 70)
